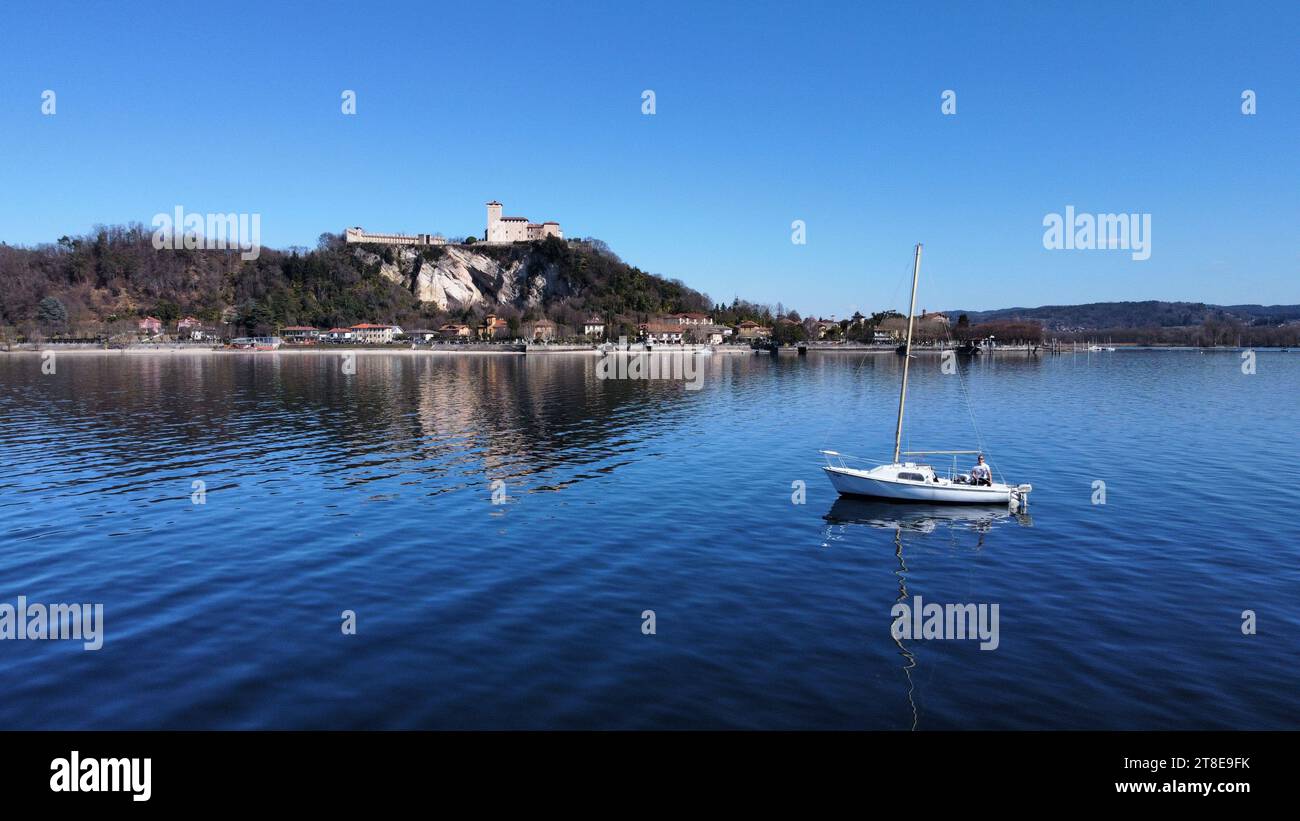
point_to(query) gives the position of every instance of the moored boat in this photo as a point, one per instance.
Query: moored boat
(916, 481)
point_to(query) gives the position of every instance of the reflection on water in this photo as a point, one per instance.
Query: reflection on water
(910, 660)
(923, 518)
(849, 511)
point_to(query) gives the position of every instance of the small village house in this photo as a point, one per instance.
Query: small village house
(749, 330)
(151, 325)
(300, 334)
(895, 327)
(370, 334)
(494, 327)
(706, 334)
(454, 330)
(339, 335)
(662, 333)
(543, 330)
(924, 326)
(200, 333)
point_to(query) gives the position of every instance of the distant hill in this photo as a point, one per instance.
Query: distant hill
(1097, 316)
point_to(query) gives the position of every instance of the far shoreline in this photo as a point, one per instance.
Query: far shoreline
(367, 350)
(558, 350)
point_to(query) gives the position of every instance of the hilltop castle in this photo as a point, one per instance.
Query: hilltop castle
(499, 229)
(516, 229)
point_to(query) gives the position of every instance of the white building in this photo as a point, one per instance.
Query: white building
(301, 334)
(517, 229)
(661, 332)
(358, 234)
(370, 334)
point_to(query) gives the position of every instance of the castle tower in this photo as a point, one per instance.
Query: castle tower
(493, 220)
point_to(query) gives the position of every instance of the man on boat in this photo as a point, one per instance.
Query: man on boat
(980, 474)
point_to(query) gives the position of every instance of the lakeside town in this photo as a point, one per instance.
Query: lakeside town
(682, 329)
(883, 331)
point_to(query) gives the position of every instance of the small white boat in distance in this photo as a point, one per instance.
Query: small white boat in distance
(912, 481)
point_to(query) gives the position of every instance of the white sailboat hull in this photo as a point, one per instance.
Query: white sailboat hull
(882, 485)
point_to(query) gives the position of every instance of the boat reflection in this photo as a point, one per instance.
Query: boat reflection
(913, 518)
(922, 518)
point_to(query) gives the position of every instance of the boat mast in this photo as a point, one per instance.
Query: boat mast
(907, 354)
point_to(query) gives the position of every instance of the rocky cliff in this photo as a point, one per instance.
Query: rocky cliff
(463, 276)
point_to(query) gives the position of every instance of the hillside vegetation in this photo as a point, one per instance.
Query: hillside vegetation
(103, 282)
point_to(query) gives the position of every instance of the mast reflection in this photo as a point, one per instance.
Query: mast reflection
(925, 519)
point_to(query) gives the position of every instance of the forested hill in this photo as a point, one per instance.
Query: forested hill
(1097, 316)
(106, 281)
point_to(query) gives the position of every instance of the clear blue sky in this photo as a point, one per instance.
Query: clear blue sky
(766, 113)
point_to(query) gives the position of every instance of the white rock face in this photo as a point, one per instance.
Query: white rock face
(450, 282)
(462, 277)
(393, 270)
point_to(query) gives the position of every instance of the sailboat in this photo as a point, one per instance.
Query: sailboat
(910, 480)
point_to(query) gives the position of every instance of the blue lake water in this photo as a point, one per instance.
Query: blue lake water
(373, 493)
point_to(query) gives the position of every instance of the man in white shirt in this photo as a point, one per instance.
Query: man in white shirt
(980, 474)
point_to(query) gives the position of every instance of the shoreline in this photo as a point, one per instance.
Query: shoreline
(562, 350)
(372, 350)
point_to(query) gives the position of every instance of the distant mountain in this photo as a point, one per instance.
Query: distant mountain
(1096, 316)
